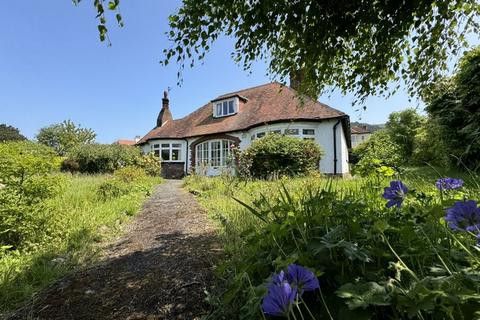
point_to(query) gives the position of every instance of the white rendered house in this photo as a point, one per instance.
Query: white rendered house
(202, 141)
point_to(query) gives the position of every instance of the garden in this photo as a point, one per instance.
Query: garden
(60, 203)
(400, 239)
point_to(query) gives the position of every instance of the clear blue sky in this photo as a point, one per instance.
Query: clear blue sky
(53, 67)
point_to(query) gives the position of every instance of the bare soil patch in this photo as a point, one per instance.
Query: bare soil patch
(159, 269)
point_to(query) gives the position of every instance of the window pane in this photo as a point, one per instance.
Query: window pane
(176, 155)
(313, 139)
(225, 108)
(276, 131)
(291, 131)
(165, 155)
(215, 153)
(156, 146)
(309, 131)
(219, 109)
(230, 107)
(260, 134)
(252, 137)
(176, 145)
(157, 153)
(165, 145)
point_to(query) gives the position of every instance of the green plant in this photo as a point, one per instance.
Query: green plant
(372, 262)
(377, 153)
(9, 133)
(65, 136)
(277, 154)
(104, 158)
(150, 163)
(69, 165)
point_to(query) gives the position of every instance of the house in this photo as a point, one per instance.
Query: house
(125, 142)
(202, 141)
(359, 134)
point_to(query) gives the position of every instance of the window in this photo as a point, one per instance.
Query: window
(276, 131)
(306, 138)
(292, 132)
(308, 132)
(216, 153)
(260, 134)
(225, 107)
(168, 151)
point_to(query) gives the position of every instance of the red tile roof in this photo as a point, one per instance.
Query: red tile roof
(359, 130)
(125, 142)
(267, 103)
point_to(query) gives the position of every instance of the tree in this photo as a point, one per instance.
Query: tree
(9, 133)
(63, 137)
(403, 127)
(356, 46)
(454, 103)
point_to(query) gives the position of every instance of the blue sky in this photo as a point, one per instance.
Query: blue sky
(53, 67)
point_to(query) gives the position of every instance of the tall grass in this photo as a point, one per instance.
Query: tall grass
(79, 222)
(372, 262)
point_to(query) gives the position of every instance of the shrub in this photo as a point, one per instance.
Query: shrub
(112, 188)
(70, 165)
(377, 153)
(21, 160)
(130, 174)
(150, 163)
(277, 154)
(104, 158)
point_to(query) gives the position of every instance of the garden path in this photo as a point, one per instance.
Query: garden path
(159, 269)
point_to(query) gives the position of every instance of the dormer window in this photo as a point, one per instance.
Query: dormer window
(225, 107)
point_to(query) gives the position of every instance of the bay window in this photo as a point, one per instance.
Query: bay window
(214, 153)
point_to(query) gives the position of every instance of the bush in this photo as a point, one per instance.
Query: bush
(21, 160)
(25, 169)
(130, 174)
(376, 154)
(104, 158)
(277, 154)
(150, 163)
(112, 188)
(70, 165)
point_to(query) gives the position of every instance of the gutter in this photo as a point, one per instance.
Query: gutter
(335, 147)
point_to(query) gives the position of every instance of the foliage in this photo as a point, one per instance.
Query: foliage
(70, 165)
(68, 226)
(19, 161)
(403, 127)
(150, 163)
(9, 133)
(120, 183)
(377, 154)
(65, 136)
(430, 146)
(454, 105)
(103, 158)
(277, 154)
(372, 262)
(398, 40)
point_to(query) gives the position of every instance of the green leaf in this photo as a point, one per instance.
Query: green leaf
(364, 294)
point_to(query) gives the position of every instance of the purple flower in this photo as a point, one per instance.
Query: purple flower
(448, 184)
(464, 215)
(302, 278)
(395, 193)
(279, 299)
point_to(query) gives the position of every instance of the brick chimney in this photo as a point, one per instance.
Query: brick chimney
(165, 114)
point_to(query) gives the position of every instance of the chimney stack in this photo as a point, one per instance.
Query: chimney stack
(165, 114)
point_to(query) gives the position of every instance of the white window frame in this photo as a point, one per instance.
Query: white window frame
(221, 108)
(159, 146)
(206, 155)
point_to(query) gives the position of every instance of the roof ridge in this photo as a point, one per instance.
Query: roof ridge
(254, 87)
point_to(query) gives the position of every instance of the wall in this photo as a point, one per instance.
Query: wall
(323, 136)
